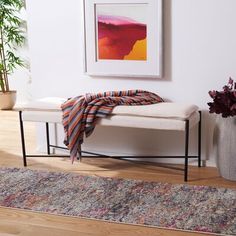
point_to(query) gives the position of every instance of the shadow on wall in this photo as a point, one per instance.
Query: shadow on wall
(208, 126)
(139, 142)
(131, 141)
(167, 38)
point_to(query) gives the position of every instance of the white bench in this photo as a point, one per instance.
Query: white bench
(160, 116)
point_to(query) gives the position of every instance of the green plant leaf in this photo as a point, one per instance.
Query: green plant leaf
(12, 36)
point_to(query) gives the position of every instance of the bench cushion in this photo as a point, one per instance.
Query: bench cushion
(163, 110)
(164, 116)
(149, 122)
(44, 104)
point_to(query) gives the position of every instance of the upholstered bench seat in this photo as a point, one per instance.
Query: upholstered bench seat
(160, 116)
(165, 116)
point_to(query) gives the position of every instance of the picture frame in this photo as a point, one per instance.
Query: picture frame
(123, 38)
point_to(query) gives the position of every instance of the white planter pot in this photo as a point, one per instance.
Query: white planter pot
(7, 100)
(225, 139)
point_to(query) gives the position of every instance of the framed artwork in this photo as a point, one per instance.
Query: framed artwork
(123, 38)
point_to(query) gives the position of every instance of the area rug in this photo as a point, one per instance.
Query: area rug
(173, 206)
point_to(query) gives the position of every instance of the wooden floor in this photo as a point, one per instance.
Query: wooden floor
(19, 222)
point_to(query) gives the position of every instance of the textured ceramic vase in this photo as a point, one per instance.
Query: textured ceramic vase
(225, 140)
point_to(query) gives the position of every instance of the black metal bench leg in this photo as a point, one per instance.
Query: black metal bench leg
(22, 138)
(199, 139)
(186, 150)
(47, 137)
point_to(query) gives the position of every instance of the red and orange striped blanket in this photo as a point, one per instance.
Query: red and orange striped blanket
(81, 113)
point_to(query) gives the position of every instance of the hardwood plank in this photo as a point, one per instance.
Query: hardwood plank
(20, 222)
(72, 224)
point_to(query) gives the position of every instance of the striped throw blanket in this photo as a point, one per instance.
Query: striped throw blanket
(81, 113)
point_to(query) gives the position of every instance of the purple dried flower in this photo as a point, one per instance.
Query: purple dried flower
(231, 81)
(212, 93)
(224, 102)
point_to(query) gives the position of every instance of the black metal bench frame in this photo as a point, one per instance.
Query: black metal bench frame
(186, 155)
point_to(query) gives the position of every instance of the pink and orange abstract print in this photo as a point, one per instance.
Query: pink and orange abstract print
(121, 38)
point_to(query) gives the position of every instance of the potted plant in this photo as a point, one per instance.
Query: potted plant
(12, 36)
(224, 104)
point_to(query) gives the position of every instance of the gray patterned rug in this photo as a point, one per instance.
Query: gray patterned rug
(183, 207)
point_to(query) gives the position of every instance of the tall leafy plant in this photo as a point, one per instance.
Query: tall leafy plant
(12, 36)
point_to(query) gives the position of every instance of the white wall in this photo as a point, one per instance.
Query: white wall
(199, 55)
